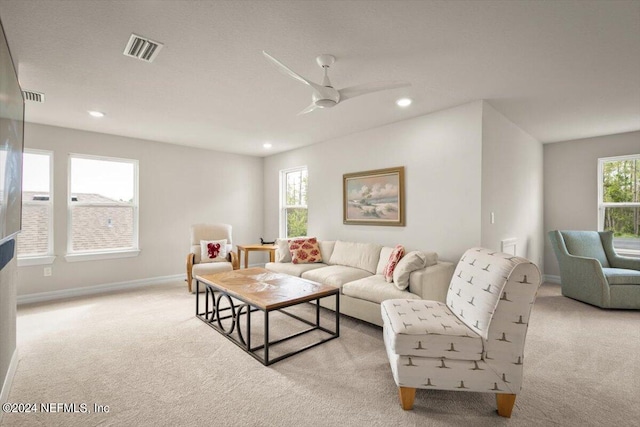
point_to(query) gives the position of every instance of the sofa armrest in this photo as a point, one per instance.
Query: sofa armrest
(190, 258)
(616, 260)
(583, 279)
(432, 283)
(629, 263)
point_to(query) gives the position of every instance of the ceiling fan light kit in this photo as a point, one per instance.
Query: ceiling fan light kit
(324, 95)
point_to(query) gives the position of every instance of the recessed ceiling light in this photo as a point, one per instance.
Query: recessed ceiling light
(403, 102)
(96, 113)
(267, 145)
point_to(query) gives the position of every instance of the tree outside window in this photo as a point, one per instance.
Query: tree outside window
(619, 201)
(294, 202)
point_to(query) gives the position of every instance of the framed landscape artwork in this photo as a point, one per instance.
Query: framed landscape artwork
(374, 197)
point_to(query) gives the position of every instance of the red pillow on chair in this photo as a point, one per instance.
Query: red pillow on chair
(398, 252)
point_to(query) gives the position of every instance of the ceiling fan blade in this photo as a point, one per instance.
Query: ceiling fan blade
(286, 70)
(353, 91)
(309, 109)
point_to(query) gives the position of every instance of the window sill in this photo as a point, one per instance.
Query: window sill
(35, 260)
(96, 256)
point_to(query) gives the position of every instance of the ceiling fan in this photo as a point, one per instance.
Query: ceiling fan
(324, 95)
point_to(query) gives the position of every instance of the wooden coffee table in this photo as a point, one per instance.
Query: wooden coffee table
(256, 289)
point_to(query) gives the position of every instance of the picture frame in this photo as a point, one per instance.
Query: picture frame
(374, 197)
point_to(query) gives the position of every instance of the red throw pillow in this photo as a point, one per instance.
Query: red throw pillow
(398, 252)
(305, 251)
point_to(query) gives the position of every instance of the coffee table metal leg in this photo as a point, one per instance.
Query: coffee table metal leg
(197, 296)
(249, 329)
(266, 337)
(318, 312)
(337, 314)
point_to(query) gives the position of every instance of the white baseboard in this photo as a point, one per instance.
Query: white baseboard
(8, 379)
(552, 279)
(97, 289)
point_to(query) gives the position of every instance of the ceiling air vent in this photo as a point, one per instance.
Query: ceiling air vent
(30, 95)
(142, 48)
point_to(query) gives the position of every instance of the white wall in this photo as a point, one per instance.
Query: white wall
(512, 185)
(179, 186)
(442, 155)
(571, 184)
(8, 282)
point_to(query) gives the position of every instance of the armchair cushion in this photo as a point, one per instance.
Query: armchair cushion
(211, 268)
(428, 329)
(621, 276)
(586, 244)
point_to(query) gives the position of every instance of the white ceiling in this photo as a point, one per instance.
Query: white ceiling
(560, 70)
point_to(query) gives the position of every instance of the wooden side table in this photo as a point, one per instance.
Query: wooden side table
(256, 247)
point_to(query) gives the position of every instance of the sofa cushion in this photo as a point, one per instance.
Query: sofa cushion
(385, 253)
(428, 329)
(621, 276)
(335, 275)
(326, 249)
(375, 289)
(586, 244)
(364, 256)
(292, 269)
(414, 260)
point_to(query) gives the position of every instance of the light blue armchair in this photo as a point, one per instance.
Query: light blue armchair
(591, 271)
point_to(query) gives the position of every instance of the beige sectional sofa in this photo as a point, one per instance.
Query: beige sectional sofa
(357, 269)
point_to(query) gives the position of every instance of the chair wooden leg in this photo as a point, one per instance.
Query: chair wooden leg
(505, 404)
(407, 395)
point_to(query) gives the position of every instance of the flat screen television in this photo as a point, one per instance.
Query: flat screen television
(11, 144)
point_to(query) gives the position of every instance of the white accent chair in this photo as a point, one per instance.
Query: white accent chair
(195, 266)
(474, 342)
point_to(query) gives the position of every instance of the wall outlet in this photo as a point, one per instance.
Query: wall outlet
(47, 271)
(493, 218)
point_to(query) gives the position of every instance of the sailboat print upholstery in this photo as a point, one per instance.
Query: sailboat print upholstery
(487, 308)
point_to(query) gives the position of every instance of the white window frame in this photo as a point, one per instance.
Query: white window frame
(49, 257)
(94, 255)
(602, 205)
(283, 199)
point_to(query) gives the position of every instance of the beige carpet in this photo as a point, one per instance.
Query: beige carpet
(145, 355)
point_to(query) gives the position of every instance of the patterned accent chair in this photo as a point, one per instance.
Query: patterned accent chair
(591, 271)
(195, 266)
(474, 342)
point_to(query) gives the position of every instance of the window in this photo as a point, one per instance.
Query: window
(103, 208)
(619, 201)
(35, 242)
(293, 213)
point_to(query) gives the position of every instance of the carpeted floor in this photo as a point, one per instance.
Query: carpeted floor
(145, 355)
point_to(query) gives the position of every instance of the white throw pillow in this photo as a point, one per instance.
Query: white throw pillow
(410, 262)
(213, 250)
(282, 252)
